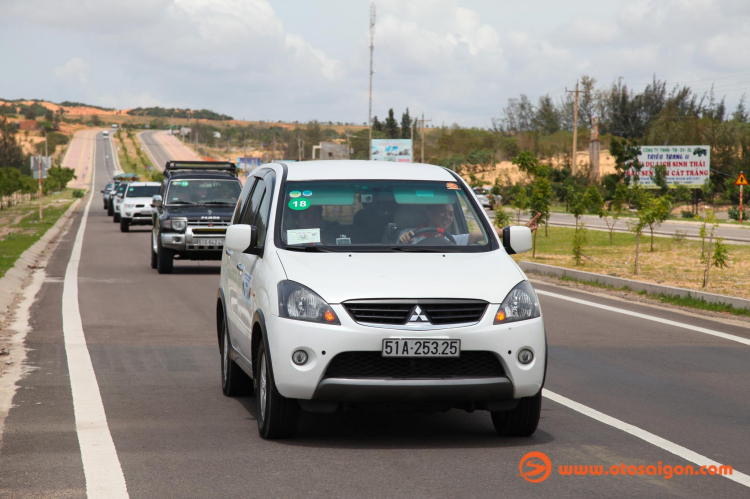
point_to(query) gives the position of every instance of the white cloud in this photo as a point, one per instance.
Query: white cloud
(458, 60)
(73, 70)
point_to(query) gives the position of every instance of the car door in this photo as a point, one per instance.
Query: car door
(253, 272)
(242, 277)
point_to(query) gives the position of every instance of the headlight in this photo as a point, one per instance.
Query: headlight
(129, 206)
(302, 303)
(520, 304)
(177, 224)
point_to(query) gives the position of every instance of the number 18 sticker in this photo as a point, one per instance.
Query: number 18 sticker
(299, 204)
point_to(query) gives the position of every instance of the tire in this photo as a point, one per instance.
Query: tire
(153, 253)
(116, 218)
(164, 259)
(278, 416)
(110, 209)
(521, 421)
(124, 225)
(234, 381)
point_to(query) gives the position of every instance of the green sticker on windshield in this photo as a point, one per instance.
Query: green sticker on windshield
(299, 204)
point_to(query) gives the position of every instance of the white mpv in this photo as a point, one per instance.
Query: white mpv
(357, 282)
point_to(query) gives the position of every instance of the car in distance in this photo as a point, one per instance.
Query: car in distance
(136, 204)
(105, 194)
(360, 282)
(117, 200)
(483, 196)
(192, 212)
(105, 134)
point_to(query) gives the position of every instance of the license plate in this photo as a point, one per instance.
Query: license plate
(210, 242)
(421, 348)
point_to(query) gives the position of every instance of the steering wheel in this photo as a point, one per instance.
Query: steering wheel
(435, 230)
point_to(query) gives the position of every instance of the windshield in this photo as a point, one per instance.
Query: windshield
(121, 188)
(204, 192)
(380, 215)
(142, 191)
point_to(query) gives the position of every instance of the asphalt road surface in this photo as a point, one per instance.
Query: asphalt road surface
(155, 151)
(690, 229)
(627, 383)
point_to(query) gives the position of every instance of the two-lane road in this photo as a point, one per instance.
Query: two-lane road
(151, 340)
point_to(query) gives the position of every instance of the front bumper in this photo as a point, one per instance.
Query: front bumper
(323, 342)
(188, 241)
(138, 215)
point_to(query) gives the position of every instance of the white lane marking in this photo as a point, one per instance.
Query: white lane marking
(646, 436)
(629, 313)
(101, 466)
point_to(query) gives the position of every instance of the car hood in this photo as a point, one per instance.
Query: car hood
(144, 200)
(339, 277)
(201, 212)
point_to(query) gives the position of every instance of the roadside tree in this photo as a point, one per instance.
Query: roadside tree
(540, 202)
(520, 201)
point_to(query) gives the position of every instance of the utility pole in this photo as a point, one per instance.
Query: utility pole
(421, 160)
(372, 47)
(299, 148)
(574, 163)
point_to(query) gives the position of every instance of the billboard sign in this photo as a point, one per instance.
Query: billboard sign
(46, 162)
(396, 150)
(36, 174)
(688, 166)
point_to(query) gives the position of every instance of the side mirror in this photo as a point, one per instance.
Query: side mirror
(517, 239)
(242, 238)
(156, 201)
(102, 191)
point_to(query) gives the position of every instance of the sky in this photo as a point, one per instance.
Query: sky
(456, 61)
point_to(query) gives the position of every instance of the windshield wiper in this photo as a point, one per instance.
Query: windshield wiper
(416, 249)
(312, 249)
(220, 202)
(182, 202)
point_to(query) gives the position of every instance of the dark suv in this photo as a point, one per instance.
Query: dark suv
(192, 212)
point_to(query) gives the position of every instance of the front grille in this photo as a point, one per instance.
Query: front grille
(399, 312)
(214, 223)
(374, 365)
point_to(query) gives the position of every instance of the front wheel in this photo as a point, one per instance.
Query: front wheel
(234, 381)
(278, 416)
(521, 421)
(110, 209)
(154, 263)
(124, 225)
(164, 259)
(116, 218)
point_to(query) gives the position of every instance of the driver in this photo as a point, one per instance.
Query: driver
(441, 216)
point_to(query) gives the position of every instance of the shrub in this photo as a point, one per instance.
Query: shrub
(687, 214)
(502, 217)
(734, 214)
(78, 193)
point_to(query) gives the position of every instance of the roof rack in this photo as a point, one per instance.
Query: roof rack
(199, 166)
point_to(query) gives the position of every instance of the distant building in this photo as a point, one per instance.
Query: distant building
(27, 125)
(330, 150)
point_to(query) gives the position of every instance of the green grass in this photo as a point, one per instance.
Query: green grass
(28, 231)
(674, 261)
(688, 301)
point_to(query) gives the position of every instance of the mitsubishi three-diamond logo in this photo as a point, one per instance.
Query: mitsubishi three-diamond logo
(418, 316)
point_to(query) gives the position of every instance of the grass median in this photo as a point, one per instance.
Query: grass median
(20, 226)
(675, 261)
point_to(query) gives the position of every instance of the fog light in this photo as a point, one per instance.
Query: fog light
(299, 357)
(525, 356)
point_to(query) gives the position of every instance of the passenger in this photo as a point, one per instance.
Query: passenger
(441, 216)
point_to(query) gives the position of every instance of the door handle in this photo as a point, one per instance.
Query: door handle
(240, 267)
(229, 252)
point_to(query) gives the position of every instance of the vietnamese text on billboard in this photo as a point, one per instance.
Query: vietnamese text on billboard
(397, 150)
(688, 166)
